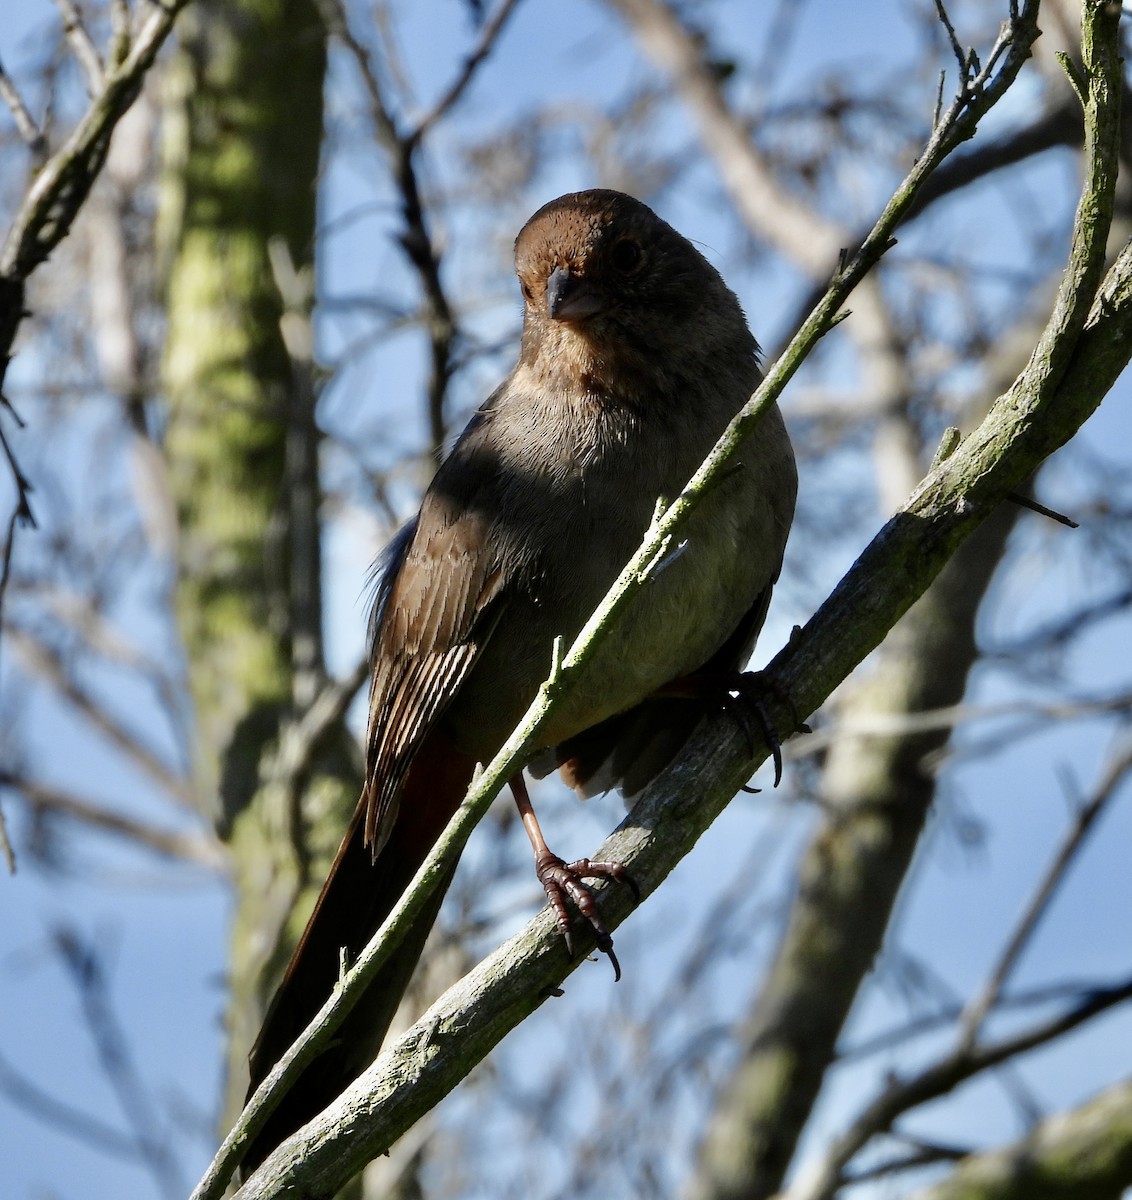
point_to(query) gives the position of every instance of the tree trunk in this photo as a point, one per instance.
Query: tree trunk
(243, 136)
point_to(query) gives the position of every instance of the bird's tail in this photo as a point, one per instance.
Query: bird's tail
(357, 896)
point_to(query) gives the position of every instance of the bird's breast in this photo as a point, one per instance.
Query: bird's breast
(567, 546)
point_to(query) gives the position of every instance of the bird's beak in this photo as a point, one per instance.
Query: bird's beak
(570, 297)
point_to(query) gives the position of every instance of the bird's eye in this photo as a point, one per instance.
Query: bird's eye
(528, 295)
(627, 256)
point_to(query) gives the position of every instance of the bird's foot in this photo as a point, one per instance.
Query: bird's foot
(743, 695)
(562, 881)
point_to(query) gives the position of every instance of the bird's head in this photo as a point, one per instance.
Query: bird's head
(603, 277)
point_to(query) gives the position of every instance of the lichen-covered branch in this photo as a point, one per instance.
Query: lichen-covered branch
(1084, 1154)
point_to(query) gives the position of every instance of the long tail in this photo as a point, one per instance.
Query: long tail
(357, 896)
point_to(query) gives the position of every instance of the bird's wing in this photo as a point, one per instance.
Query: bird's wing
(435, 611)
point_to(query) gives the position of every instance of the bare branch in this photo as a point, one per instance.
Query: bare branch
(1085, 1154)
(25, 123)
(59, 190)
(119, 31)
(6, 844)
(794, 227)
(87, 970)
(30, 1098)
(1064, 629)
(905, 724)
(45, 661)
(21, 511)
(416, 239)
(489, 36)
(932, 1022)
(976, 1012)
(920, 1154)
(938, 1080)
(299, 740)
(962, 60)
(201, 849)
(84, 49)
(60, 187)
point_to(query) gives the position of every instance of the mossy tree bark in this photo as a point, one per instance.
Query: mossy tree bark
(244, 129)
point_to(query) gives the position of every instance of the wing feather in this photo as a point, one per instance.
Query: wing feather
(434, 621)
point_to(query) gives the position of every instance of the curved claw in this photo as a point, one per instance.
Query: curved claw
(739, 693)
(561, 880)
(748, 687)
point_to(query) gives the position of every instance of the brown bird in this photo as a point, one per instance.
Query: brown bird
(634, 357)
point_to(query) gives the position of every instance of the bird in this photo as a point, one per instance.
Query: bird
(633, 358)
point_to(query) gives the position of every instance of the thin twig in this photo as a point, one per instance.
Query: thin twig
(1063, 630)
(87, 971)
(905, 724)
(48, 209)
(890, 1039)
(201, 849)
(923, 1154)
(415, 238)
(976, 1012)
(25, 122)
(119, 32)
(940, 1079)
(30, 1098)
(489, 35)
(956, 49)
(21, 511)
(44, 660)
(1033, 505)
(6, 849)
(82, 46)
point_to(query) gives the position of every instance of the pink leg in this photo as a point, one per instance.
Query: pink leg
(562, 880)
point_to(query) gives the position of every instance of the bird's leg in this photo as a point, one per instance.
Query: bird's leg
(561, 880)
(740, 693)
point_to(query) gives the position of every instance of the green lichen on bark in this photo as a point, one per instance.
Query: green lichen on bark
(243, 138)
(242, 170)
(1080, 1155)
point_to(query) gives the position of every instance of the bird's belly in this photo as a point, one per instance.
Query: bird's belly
(699, 593)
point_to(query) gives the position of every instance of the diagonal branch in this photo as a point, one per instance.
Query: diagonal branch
(60, 188)
(83, 47)
(61, 185)
(938, 1080)
(201, 849)
(977, 1011)
(86, 967)
(1085, 1154)
(489, 37)
(46, 662)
